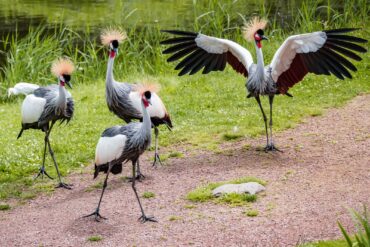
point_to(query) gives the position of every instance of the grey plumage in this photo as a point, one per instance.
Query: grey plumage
(119, 102)
(321, 53)
(42, 109)
(120, 144)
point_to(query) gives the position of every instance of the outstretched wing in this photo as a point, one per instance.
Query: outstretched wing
(322, 53)
(199, 51)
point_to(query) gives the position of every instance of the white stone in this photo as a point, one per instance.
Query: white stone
(250, 188)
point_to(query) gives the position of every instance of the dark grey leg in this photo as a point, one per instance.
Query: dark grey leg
(143, 218)
(42, 168)
(264, 119)
(96, 212)
(156, 155)
(61, 184)
(271, 146)
(139, 176)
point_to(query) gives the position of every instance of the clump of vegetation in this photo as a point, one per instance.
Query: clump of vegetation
(174, 218)
(251, 213)
(148, 195)
(175, 154)
(4, 207)
(204, 193)
(94, 238)
(362, 237)
(231, 136)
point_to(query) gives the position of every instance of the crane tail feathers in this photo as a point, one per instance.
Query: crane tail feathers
(116, 168)
(20, 133)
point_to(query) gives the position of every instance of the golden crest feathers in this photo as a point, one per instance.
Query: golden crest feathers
(62, 66)
(146, 86)
(108, 35)
(251, 27)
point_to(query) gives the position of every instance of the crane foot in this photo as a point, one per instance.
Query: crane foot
(143, 218)
(271, 147)
(139, 177)
(42, 172)
(157, 159)
(65, 186)
(96, 215)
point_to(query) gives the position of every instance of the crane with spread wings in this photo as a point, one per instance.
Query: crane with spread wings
(321, 53)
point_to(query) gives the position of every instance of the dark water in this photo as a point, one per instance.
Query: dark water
(91, 14)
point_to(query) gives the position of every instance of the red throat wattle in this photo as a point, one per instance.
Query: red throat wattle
(62, 83)
(146, 103)
(112, 54)
(259, 44)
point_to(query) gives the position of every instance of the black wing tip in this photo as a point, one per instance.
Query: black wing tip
(179, 32)
(342, 30)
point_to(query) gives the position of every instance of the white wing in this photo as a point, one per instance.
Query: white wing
(22, 88)
(32, 108)
(156, 109)
(317, 53)
(206, 52)
(109, 148)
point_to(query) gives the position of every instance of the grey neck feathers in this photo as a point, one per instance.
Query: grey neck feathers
(62, 99)
(147, 123)
(260, 64)
(109, 78)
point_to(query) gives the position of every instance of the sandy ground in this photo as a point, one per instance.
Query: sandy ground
(325, 168)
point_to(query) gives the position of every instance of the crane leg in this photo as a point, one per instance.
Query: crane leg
(265, 120)
(139, 176)
(156, 155)
(143, 218)
(42, 168)
(271, 146)
(61, 184)
(96, 212)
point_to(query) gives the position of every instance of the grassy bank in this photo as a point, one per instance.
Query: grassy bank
(206, 110)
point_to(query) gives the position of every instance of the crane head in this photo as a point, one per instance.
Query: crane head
(258, 37)
(65, 79)
(113, 48)
(146, 98)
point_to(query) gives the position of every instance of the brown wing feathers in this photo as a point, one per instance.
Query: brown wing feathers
(197, 58)
(329, 59)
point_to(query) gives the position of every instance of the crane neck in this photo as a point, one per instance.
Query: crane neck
(260, 62)
(147, 123)
(110, 79)
(62, 99)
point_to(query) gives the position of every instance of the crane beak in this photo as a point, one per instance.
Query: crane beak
(264, 37)
(69, 84)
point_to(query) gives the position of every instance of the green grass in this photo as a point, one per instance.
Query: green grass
(148, 195)
(174, 218)
(204, 193)
(4, 207)
(206, 109)
(94, 238)
(326, 243)
(251, 213)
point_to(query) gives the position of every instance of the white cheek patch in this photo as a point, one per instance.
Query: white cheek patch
(109, 148)
(32, 108)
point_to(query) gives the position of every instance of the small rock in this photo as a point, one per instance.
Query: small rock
(251, 188)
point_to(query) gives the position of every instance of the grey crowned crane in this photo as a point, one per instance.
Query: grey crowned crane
(124, 100)
(321, 53)
(46, 105)
(120, 144)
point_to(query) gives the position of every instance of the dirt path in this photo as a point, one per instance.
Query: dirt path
(325, 168)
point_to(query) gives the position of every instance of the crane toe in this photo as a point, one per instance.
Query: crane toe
(143, 218)
(64, 185)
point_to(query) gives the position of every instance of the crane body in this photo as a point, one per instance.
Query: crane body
(123, 98)
(47, 105)
(120, 144)
(321, 53)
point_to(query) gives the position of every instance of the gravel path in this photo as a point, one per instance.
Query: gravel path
(324, 169)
